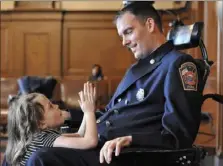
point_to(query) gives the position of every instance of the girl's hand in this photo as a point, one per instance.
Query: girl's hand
(88, 98)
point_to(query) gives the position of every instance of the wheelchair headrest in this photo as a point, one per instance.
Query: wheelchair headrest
(186, 36)
(128, 2)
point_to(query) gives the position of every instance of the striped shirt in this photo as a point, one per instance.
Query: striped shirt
(42, 139)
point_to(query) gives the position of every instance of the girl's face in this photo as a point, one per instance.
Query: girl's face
(52, 114)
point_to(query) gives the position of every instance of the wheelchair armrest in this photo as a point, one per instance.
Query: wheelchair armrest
(191, 155)
(149, 150)
(143, 150)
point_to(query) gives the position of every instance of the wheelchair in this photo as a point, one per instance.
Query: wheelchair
(183, 37)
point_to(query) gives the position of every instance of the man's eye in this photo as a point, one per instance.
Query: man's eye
(129, 31)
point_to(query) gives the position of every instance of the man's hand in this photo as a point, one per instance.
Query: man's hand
(109, 146)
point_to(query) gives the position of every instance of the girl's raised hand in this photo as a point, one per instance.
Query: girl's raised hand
(88, 98)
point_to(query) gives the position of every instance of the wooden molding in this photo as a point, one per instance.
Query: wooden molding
(34, 5)
(219, 146)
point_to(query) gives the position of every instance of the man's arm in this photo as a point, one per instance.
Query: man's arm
(182, 109)
(184, 99)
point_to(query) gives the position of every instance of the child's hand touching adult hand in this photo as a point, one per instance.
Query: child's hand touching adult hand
(88, 98)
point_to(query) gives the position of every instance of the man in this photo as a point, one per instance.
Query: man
(156, 105)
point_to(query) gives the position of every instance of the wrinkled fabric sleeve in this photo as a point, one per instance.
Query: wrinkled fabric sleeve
(182, 113)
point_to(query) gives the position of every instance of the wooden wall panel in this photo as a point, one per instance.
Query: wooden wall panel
(207, 131)
(210, 39)
(36, 45)
(34, 5)
(5, 50)
(90, 40)
(36, 56)
(219, 142)
(6, 46)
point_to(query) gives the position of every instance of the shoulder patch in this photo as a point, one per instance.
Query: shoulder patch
(189, 77)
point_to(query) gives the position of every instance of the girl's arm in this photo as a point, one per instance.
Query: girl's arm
(82, 127)
(71, 135)
(80, 132)
(89, 138)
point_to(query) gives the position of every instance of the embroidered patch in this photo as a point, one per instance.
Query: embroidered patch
(188, 74)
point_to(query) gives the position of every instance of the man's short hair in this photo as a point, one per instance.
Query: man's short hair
(142, 10)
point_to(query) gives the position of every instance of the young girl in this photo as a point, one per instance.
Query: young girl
(32, 121)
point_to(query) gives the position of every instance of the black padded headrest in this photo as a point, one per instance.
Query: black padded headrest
(186, 36)
(128, 2)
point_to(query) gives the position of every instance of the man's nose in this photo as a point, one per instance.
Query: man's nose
(125, 41)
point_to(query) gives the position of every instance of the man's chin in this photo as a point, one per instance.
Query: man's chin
(137, 56)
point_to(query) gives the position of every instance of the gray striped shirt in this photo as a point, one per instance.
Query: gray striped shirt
(42, 139)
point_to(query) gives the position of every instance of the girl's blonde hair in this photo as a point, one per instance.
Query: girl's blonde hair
(24, 117)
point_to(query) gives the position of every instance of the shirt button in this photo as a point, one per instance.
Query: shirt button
(116, 112)
(108, 123)
(98, 121)
(126, 102)
(152, 61)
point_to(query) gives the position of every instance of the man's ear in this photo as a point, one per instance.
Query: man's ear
(150, 23)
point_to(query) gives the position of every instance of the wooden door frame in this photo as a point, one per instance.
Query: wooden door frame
(219, 143)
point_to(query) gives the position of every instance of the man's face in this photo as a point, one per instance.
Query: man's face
(134, 34)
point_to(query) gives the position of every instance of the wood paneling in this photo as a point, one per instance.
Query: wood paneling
(5, 50)
(92, 39)
(219, 11)
(36, 56)
(34, 5)
(36, 43)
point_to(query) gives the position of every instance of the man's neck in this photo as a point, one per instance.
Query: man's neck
(160, 40)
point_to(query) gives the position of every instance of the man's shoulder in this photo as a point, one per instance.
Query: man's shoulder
(175, 56)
